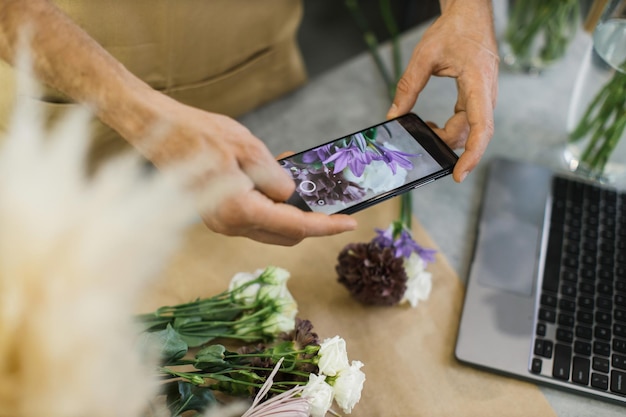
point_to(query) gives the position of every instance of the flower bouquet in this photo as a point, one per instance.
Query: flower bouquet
(288, 368)
(388, 270)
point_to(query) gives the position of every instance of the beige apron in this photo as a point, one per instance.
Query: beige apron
(225, 56)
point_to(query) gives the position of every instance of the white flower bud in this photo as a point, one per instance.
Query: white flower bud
(248, 294)
(275, 275)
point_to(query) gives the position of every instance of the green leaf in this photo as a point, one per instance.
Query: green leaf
(196, 340)
(183, 396)
(181, 321)
(168, 343)
(211, 359)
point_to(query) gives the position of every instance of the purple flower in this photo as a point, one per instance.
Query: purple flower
(384, 238)
(352, 157)
(392, 158)
(403, 244)
(317, 155)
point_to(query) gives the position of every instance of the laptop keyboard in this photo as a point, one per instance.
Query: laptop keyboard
(580, 333)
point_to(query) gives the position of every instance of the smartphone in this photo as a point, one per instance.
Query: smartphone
(367, 167)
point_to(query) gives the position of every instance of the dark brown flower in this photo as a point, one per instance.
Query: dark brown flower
(256, 361)
(371, 273)
(302, 335)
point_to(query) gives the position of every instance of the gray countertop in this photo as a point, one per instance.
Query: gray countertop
(529, 124)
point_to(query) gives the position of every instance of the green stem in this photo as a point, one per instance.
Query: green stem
(406, 209)
(605, 120)
(392, 28)
(406, 200)
(371, 42)
(552, 23)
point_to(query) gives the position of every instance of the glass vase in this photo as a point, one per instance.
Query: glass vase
(596, 148)
(538, 33)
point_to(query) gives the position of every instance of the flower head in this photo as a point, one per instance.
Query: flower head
(318, 394)
(394, 158)
(419, 283)
(387, 270)
(302, 335)
(287, 404)
(284, 319)
(246, 290)
(372, 274)
(333, 356)
(400, 240)
(377, 177)
(348, 386)
(350, 156)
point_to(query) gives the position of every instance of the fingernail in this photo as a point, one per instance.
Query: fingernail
(392, 111)
(463, 176)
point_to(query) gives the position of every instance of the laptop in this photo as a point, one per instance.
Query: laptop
(546, 291)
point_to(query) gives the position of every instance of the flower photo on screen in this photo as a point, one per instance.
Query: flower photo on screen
(353, 168)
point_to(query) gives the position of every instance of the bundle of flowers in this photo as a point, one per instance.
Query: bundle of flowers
(304, 373)
(257, 306)
(389, 269)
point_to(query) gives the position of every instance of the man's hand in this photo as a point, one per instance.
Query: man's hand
(460, 44)
(239, 184)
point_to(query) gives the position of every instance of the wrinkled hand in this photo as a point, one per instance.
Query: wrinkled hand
(460, 44)
(239, 184)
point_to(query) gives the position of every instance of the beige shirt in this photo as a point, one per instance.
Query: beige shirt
(225, 56)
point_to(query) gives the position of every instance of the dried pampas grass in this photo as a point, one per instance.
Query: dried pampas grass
(75, 254)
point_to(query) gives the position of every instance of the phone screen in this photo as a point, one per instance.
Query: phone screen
(369, 166)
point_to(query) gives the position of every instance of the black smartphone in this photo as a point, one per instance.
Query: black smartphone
(372, 165)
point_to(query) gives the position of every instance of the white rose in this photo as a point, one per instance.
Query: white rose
(248, 294)
(419, 281)
(378, 177)
(348, 386)
(333, 356)
(318, 394)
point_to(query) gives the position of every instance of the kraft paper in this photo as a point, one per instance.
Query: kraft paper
(408, 352)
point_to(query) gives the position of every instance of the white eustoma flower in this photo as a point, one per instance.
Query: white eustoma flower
(276, 275)
(377, 177)
(319, 395)
(285, 318)
(333, 356)
(249, 294)
(419, 281)
(275, 285)
(348, 386)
